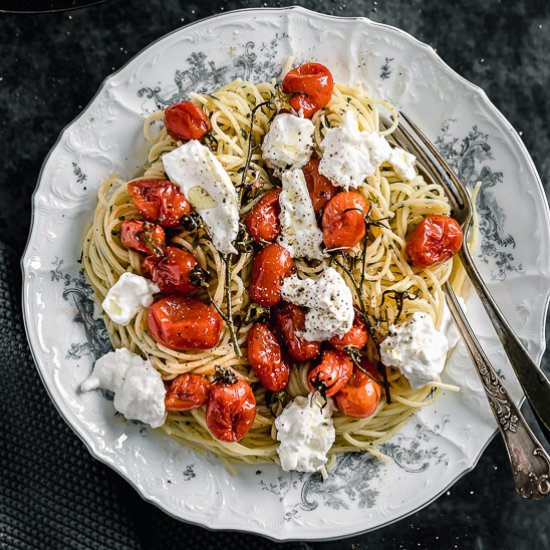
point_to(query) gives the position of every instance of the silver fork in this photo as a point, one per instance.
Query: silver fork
(530, 462)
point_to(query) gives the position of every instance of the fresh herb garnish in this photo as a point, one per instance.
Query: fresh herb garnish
(399, 296)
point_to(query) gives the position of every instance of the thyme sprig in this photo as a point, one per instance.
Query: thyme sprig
(255, 314)
(399, 296)
(244, 242)
(210, 141)
(253, 112)
(227, 317)
(274, 398)
(229, 320)
(356, 355)
(191, 221)
(364, 315)
(225, 376)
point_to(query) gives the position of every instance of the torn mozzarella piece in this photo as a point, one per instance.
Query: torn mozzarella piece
(207, 186)
(329, 300)
(350, 156)
(300, 234)
(289, 142)
(306, 432)
(137, 385)
(403, 164)
(417, 349)
(127, 296)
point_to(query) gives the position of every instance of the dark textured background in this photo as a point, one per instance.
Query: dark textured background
(52, 493)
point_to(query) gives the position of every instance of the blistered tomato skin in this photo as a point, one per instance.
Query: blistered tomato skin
(142, 236)
(230, 410)
(290, 321)
(159, 201)
(333, 372)
(181, 322)
(357, 336)
(344, 220)
(434, 240)
(186, 392)
(263, 221)
(176, 272)
(310, 88)
(319, 187)
(360, 396)
(269, 268)
(184, 121)
(264, 356)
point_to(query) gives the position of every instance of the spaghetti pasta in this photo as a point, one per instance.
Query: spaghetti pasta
(239, 115)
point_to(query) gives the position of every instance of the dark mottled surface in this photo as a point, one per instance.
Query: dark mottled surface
(50, 67)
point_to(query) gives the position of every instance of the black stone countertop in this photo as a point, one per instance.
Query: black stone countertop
(50, 68)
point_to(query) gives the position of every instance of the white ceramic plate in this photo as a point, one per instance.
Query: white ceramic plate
(436, 447)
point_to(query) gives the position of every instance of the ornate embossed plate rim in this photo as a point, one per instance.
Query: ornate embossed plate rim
(30, 329)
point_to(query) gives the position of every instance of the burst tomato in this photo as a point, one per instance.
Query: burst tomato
(434, 240)
(343, 221)
(360, 396)
(230, 410)
(142, 236)
(290, 320)
(264, 356)
(263, 221)
(187, 391)
(357, 336)
(159, 201)
(332, 373)
(185, 120)
(310, 88)
(181, 323)
(176, 272)
(319, 187)
(269, 268)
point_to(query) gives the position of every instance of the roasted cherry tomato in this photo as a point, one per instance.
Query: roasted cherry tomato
(187, 391)
(319, 187)
(176, 272)
(357, 336)
(343, 221)
(310, 88)
(231, 410)
(332, 373)
(264, 356)
(269, 268)
(434, 240)
(142, 236)
(360, 396)
(185, 120)
(159, 201)
(290, 320)
(181, 322)
(263, 221)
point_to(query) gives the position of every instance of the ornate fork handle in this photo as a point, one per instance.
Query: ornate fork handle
(530, 462)
(533, 381)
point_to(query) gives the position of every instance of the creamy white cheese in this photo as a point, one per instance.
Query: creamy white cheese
(138, 387)
(416, 348)
(306, 433)
(329, 300)
(350, 156)
(403, 163)
(208, 187)
(127, 296)
(300, 234)
(289, 142)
